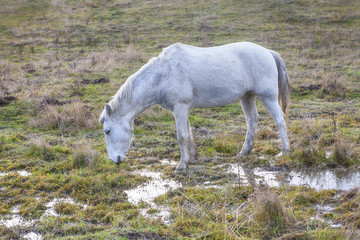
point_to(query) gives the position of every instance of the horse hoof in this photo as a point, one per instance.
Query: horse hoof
(193, 161)
(180, 169)
(284, 153)
(240, 156)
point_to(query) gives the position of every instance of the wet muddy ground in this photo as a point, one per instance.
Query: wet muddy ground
(157, 185)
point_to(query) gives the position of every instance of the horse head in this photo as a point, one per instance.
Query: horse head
(118, 130)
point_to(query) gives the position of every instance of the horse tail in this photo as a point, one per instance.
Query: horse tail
(283, 84)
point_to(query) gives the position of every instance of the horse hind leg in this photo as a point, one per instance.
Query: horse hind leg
(277, 114)
(248, 103)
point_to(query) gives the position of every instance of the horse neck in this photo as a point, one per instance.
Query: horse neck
(144, 94)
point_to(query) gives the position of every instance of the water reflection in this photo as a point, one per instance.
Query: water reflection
(147, 192)
(22, 173)
(153, 188)
(339, 179)
(329, 179)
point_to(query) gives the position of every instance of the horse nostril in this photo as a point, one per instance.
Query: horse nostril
(121, 158)
(118, 160)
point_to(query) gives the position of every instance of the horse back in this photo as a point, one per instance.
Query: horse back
(216, 76)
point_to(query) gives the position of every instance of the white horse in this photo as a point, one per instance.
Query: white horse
(184, 77)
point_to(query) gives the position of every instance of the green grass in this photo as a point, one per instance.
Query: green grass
(47, 50)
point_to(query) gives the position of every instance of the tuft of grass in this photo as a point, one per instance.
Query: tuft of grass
(41, 149)
(226, 143)
(266, 134)
(333, 87)
(65, 208)
(68, 118)
(306, 150)
(8, 141)
(85, 156)
(64, 226)
(32, 208)
(132, 54)
(269, 214)
(4, 208)
(100, 212)
(303, 198)
(343, 154)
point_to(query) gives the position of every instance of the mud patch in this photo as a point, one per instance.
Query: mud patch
(54, 101)
(311, 87)
(6, 100)
(95, 81)
(146, 236)
(29, 68)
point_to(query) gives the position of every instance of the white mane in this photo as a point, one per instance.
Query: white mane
(124, 94)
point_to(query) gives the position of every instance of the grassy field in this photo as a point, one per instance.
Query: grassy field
(61, 60)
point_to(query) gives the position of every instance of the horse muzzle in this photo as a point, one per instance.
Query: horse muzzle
(120, 159)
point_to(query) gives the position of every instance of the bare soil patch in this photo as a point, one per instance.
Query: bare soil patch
(6, 100)
(95, 81)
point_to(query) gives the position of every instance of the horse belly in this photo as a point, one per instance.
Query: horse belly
(215, 96)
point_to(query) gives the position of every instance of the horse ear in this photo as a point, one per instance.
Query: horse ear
(101, 120)
(108, 110)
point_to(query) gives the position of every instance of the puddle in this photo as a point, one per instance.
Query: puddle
(147, 192)
(162, 212)
(341, 180)
(50, 206)
(322, 210)
(169, 162)
(155, 187)
(22, 173)
(15, 219)
(32, 236)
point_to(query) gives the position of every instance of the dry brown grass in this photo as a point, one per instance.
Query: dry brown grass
(40, 148)
(97, 61)
(333, 87)
(270, 214)
(84, 155)
(132, 54)
(9, 73)
(68, 118)
(344, 153)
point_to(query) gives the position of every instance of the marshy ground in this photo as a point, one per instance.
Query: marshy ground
(61, 60)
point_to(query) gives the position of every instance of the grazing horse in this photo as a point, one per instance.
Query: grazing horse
(184, 77)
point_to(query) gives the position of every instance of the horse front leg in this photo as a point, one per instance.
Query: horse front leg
(192, 146)
(181, 112)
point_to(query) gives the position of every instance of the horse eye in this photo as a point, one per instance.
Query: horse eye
(107, 131)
